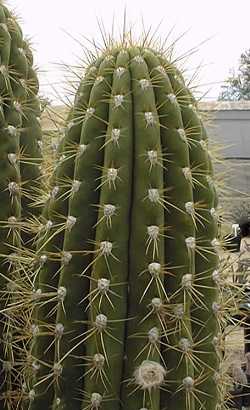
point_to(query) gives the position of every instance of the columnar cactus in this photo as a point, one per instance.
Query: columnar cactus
(126, 302)
(20, 133)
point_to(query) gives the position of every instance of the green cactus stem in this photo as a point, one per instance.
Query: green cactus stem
(122, 319)
(20, 132)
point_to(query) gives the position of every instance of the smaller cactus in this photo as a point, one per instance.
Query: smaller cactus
(20, 133)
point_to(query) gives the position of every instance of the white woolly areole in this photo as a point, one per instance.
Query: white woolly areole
(154, 269)
(12, 130)
(58, 401)
(101, 322)
(59, 329)
(203, 144)
(179, 311)
(187, 280)
(172, 98)
(48, 225)
(4, 26)
(152, 156)
(157, 304)
(138, 59)
(109, 57)
(187, 173)
(189, 206)
(12, 220)
(115, 134)
(43, 259)
(93, 69)
(185, 344)
(36, 294)
(82, 148)
(57, 369)
(98, 360)
(216, 276)
(182, 134)
(216, 341)
(154, 335)
(35, 367)
(112, 174)
(17, 107)
(89, 112)
(70, 222)
(153, 195)
(12, 158)
(54, 144)
(13, 188)
(188, 383)
(21, 50)
(153, 231)
(215, 244)
(210, 181)
(61, 293)
(216, 308)
(34, 330)
(144, 83)
(103, 285)
(66, 257)
(106, 247)
(70, 125)
(118, 100)
(149, 117)
(96, 400)
(3, 69)
(109, 210)
(32, 395)
(99, 79)
(161, 69)
(149, 375)
(218, 377)
(11, 286)
(190, 242)
(213, 212)
(192, 107)
(54, 192)
(119, 71)
(75, 186)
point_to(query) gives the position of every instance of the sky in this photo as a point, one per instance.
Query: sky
(218, 29)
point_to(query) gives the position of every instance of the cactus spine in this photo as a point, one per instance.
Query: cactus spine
(126, 313)
(20, 132)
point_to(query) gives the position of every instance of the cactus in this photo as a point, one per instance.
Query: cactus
(126, 301)
(20, 133)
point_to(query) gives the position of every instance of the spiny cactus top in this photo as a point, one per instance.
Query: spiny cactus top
(126, 299)
(20, 132)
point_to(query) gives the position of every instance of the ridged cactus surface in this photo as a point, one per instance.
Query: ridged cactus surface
(20, 132)
(126, 309)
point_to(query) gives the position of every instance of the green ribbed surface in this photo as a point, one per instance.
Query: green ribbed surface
(125, 315)
(20, 132)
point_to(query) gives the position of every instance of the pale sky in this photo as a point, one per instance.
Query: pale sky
(224, 22)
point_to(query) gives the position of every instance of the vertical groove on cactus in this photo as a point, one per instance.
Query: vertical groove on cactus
(19, 151)
(124, 306)
(68, 205)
